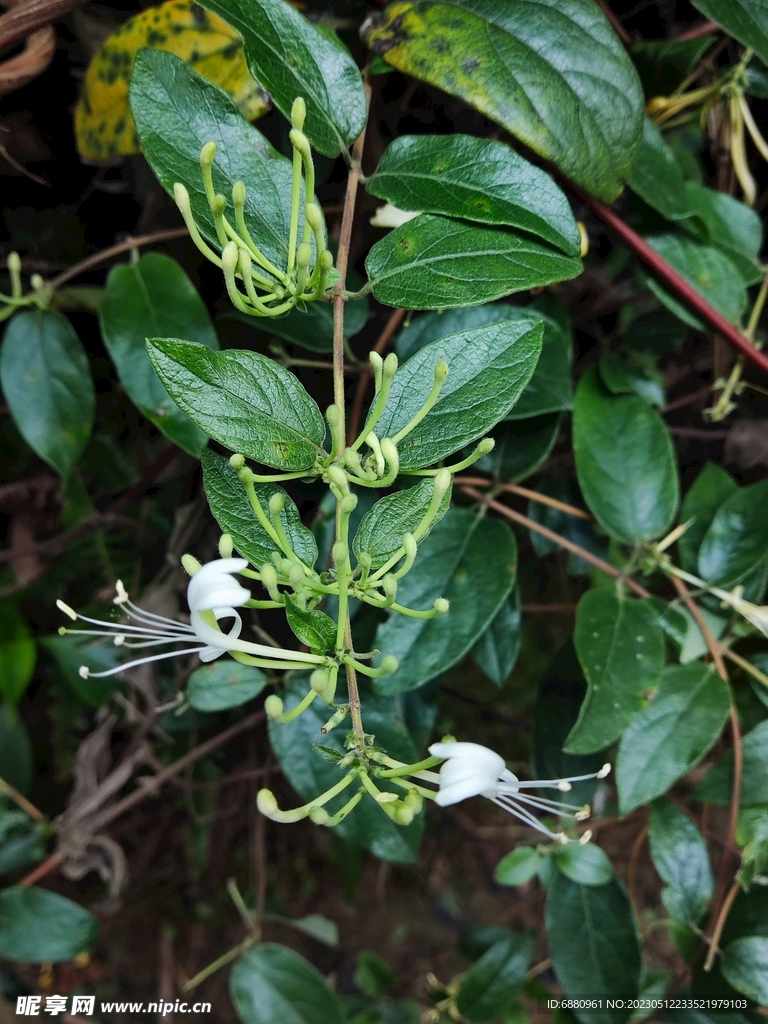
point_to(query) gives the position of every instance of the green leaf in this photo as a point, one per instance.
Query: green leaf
(38, 926)
(560, 694)
(705, 268)
(70, 652)
(681, 859)
(290, 57)
(15, 750)
(153, 298)
(625, 462)
(478, 180)
(744, 964)
(313, 628)
(585, 865)
(17, 654)
(311, 774)
(244, 400)
(487, 370)
(745, 20)
(373, 975)
(663, 64)
(737, 538)
(453, 563)
(671, 735)
(22, 841)
(732, 226)
(272, 983)
(621, 649)
(437, 263)
(225, 684)
(47, 383)
(717, 785)
(580, 531)
(232, 511)
(552, 74)
(176, 113)
(518, 867)
(707, 493)
(656, 176)
(622, 377)
(495, 980)
(381, 529)
(549, 389)
(497, 649)
(594, 945)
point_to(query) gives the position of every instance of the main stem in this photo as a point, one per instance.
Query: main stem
(342, 262)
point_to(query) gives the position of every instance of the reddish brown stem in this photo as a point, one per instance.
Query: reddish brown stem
(524, 492)
(42, 870)
(616, 25)
(707, 28)
(672, 279)
(717, 931)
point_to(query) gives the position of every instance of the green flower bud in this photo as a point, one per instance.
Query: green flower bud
(348, 503)
(181, 196)
(14, 263)
(37, 282)
(314, 216)
(303, 254)
(390, 365)
(276, 504)
(442, 606)
(219, 204)
(207, 153)
(319, 815)
(237, 461)
(325, 259)
(485, 446)
(230, 257)
(191, 564)
(410, 546)
(389, 664)
(337, 476)
(239, 194)
(266, 803)
(442, 482)
(413, 800)
(340, 552)
(319, 680)
(403, 814)
(365, 561)
(298, 113)
(296, 576)
(226, 545)
(389, 450)
(269, 577)
(300, 141)
(441, 371)
(390, 586)
(273, 707)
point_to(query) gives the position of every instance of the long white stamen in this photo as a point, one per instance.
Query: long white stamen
(556, 783)
(563, 809)
(140, 661)
(120, 626)
(523, 815)
(135, 612)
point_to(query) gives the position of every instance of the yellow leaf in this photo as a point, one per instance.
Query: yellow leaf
(104, 127)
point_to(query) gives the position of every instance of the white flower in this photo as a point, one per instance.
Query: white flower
(388, 216)
(213, 594)
(470, 769)
(755, 613)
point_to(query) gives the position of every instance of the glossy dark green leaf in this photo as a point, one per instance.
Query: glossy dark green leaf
(625, 462)
(17, 654)
(623, 377)
(553, 75)
(437, 263)
(381, 529)
(153, 298)
(621, 649)
(560, 694)
(177, 112)
(731, 226)
(745, 20)
(47, 384)
(579, 531)
(291, 57)
(224, 684)
(737, 538)
(495, 980)
(744, 964)
(479, 180)
(594, 945)
(717, 785)
(244, 400)
(707, 493)
(487, 370)
(549, 389)
(313, 628)
(706, 268)
(22, 841)
(517, 867)
(521, 446)
(15, 750)
(585, 865)
(310, 774)
(453, 563)
(672, 734)
(37, 926)
(656, 176)
(681, 859)
(272, 983)
(497, 649)
(663, 64)
(232, 510)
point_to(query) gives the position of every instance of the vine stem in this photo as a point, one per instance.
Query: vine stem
(670, 277)
(10, 791)
(720, 908)
(114, 250)
(717, 931)
(342, 263)
(518, 517)
(524, 492)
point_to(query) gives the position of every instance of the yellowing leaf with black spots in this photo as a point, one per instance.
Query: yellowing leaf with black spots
(104, 128)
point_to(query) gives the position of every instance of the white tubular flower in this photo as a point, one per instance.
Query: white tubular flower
(213, 594)
(755, 613)
(389, 216)
(470, 769)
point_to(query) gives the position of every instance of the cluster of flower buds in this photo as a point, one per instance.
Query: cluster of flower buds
(39, 296)
(269, 290)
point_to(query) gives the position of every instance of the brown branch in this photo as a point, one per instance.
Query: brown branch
(19, 799)
(114, 250)
(364, 379)
(524, 492)
(24, 19)
(637, 846)
(517, 517)
(616, 25)
(544, 608)
(670, 277)
(42, 870)
(707, 28)
(717, 931)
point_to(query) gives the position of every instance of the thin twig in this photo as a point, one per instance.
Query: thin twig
(517, 517)
(616, 25)
(524, 492)
(544, 608)
(717, 931)
(364, 379)
(637, 846)
(114, 250)
(21, 800)
(42, 870)
(707, 28)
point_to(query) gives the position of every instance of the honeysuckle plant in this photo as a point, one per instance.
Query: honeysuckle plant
(363, 498)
